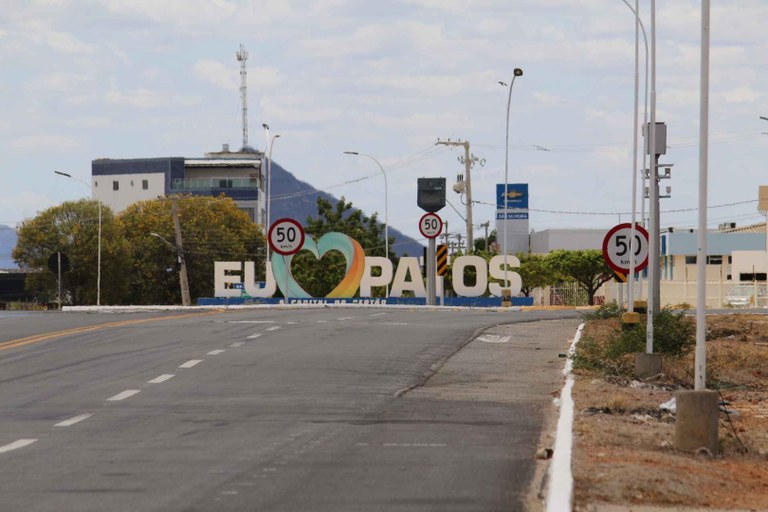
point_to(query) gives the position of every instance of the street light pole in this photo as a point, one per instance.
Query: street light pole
(98, 264)
(518, 72)
(386, 205)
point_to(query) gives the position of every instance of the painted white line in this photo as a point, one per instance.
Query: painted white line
(291, 323)
(273, 328)
(395, 323)
(237, 344)
(345, 318)
(362, 444)
(494, 338)
(377, 314)
(254, 336)
(191, 363)
(128, 393)
(229, 493)
(21, 443)
(162, 378)
(72, 421)
(322, 321)
(560, 495)
(251, 321)
(216, 352)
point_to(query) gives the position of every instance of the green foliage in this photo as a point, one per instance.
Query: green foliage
(483, 245)
(536, 271)
(73, 228)
(587, 268)
(212, 228)
(609, 310)
(319, 277)
(673, 335)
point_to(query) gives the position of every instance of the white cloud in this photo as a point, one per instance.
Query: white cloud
(743, 94)
(88, 122)
(217, 73)
(145, 98)
(178, 12)
(63, 42)
(57, 82)
(46, 142)
(551, 100)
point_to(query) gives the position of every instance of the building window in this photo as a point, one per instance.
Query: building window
(115, 185)
(95, 183)
(714, 260)
(690, 260)
(145, 184)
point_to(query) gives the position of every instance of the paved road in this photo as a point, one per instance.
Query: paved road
(271, 409)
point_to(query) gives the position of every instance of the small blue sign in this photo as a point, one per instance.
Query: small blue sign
(516, 196)
(511, 215)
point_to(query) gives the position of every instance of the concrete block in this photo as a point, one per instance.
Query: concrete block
(647, 365)
(506, 297)
(696, 423)
(629, 321)
(641, 306)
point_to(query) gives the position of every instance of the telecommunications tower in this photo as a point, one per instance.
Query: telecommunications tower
(242, 57)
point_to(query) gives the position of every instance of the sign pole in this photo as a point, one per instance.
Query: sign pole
(431, 273)
(58, 255)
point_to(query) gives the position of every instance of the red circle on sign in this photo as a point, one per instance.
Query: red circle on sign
(289, 244)
(430, 225)
(606, 247)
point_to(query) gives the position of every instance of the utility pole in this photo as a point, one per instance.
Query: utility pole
(468, 160)
(486, 225)
(185, 301)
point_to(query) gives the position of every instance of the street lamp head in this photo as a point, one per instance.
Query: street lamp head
(518, 72)
(265, 126)
(275, 136)
(503, 84)
(63, 174)
(351, 153)
(764, 118)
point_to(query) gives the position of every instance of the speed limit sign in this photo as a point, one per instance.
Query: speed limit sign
(616, 250)
(286, 236)
(431, 225)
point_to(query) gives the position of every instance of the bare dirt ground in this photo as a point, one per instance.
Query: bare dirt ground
(623, 442)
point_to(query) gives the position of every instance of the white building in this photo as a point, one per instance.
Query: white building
(120, 182)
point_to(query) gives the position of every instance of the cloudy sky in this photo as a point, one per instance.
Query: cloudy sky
(84, 79)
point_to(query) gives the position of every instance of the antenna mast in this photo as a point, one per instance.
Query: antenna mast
(242, 57)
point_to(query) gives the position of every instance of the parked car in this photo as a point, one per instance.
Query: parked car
(743, 295)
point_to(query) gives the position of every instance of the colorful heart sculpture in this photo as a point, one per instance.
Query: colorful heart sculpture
(353, 254)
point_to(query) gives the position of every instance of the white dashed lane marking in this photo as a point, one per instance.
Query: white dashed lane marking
(216, 352)
(128, 393)
(21, 443)
(254, 336)
(251, 321)
(191, 363)
(377, 314)
(273, 328)
(237, 344)
(72, 421)
(345, 318)
(162, 378)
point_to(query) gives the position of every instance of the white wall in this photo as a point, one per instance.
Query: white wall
(129, 189)
(748, 262)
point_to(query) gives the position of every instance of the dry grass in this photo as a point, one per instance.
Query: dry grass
(623, 446)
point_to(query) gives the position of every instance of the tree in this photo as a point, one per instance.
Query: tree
(212, 228)
(73, 229)
(535, 271)
(318, 278)
(485, 246)
(587, 268)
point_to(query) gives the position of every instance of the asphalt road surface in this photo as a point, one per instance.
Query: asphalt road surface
(323, 409)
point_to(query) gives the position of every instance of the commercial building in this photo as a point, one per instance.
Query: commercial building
(239, 175)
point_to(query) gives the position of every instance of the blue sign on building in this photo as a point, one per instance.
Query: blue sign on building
(516, 196)
(511, 215)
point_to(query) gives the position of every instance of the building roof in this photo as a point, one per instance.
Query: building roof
(221, 162)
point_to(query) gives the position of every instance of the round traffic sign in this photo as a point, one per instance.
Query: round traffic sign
(616, 248)
(286, 236)
(430, 225)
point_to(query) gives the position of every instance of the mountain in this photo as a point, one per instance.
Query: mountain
(301, 202)
(7, 243)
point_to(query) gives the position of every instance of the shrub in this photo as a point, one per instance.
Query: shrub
(673, 335)
(609, 310)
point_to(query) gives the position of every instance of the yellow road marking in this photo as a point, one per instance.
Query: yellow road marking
(19, 342)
